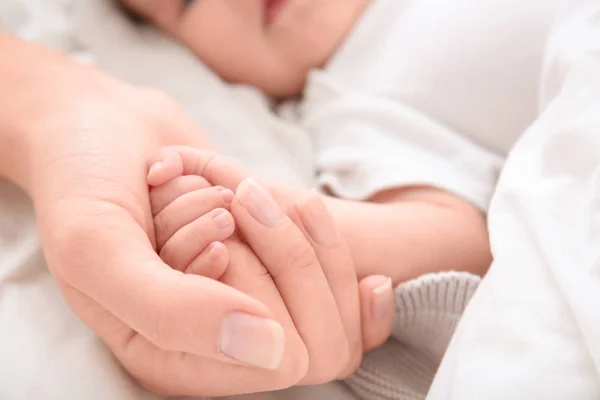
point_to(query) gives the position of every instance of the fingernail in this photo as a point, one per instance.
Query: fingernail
(214, 251)
(259, 203)
(317, 220)
(252, 340)
(226, 195)
(223, 219)
(382, 299)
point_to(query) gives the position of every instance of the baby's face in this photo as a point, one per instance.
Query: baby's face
(271, 44)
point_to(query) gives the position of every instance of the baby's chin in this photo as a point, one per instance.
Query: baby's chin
(287, 88)
(280, 84)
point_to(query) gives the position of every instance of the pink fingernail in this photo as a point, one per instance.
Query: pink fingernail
(227, 195)
(252, 340)
(382, 299)
(223, 220)
(213, 250)
(259, 203)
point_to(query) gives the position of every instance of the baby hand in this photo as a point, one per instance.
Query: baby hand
(191, 219)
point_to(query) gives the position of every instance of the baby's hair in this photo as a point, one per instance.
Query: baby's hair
(129, 13)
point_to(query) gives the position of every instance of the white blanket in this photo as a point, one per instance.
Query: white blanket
(532, 329)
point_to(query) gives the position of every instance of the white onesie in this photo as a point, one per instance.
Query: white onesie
(428, 92)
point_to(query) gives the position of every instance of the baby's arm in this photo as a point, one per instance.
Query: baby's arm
(407, 232)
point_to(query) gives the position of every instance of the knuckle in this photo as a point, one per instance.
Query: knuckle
(301, 257)
(343, 273)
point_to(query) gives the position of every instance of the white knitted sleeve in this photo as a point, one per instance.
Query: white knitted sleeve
(532, 330)
(427, 312)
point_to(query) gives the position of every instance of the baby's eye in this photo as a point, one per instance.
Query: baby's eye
(187, 2)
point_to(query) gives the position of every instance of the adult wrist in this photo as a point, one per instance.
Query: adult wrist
(28, 74)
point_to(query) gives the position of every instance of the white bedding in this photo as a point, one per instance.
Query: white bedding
(531, 331)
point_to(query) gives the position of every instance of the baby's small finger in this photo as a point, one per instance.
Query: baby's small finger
(163, 195)
(191, 240)
(211, 263)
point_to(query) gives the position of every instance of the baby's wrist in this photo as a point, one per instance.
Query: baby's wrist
(358, 224)
(413, 233)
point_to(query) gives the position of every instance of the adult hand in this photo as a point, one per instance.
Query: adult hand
(83, 141)
(305, 273)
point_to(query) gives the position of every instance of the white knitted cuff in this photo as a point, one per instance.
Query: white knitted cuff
(427, 312)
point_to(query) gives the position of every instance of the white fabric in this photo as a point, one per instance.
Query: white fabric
(531, 331)
(428, 92)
